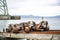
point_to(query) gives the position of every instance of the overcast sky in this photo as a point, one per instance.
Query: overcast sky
(34, 7)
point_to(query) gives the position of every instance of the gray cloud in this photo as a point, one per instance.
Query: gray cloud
(34, 6)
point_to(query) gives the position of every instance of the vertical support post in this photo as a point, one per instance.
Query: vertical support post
(42, 18)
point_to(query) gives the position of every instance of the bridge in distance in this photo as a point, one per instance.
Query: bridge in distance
(4, 14)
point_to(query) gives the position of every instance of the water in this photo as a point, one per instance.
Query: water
(54, 23)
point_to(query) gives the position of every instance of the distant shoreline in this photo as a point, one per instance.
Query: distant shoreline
(31, 16)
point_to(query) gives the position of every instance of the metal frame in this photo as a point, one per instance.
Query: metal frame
(3, 7)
